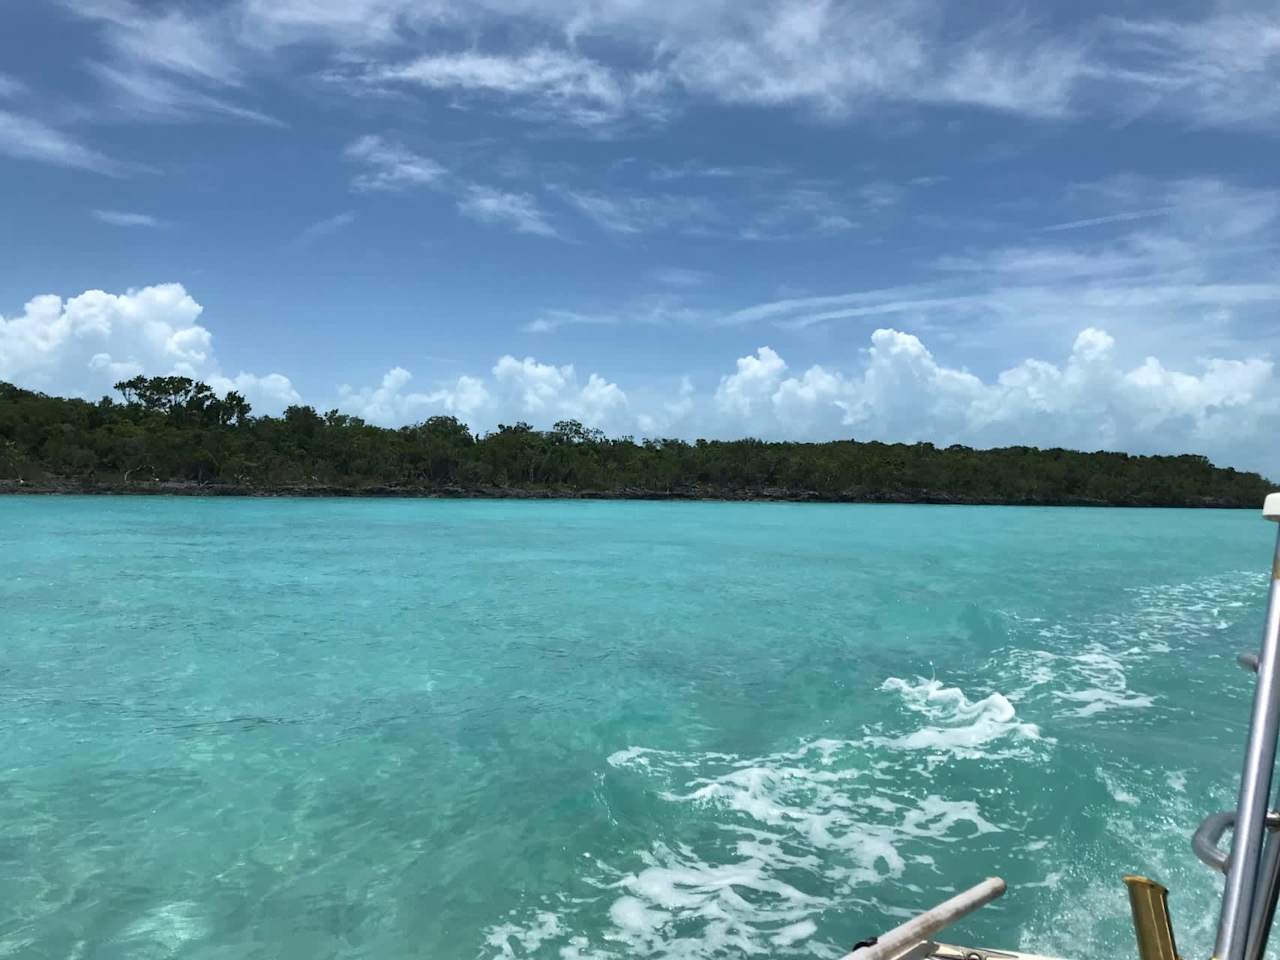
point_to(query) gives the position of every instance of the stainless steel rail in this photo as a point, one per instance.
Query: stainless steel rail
(1240, 897)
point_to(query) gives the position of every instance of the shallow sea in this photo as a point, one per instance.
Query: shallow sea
(287, 729)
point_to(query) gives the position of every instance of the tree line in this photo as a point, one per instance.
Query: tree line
(176, 432)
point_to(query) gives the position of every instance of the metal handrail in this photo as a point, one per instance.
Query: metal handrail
(1239, 899)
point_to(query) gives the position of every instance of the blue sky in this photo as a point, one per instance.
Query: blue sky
(983, 223)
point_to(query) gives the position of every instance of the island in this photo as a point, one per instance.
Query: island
(175, 435)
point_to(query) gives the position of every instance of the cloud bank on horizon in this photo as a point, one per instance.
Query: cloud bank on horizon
(892, 388)
(784, 218)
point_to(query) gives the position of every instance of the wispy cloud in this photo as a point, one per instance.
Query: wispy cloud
(171, 40)
(681, 277)
(390, 166)
(703, 171)
(520, 211)
(121, 218)
(11, 87)
(833, 59)
(151, 95)
(553, 84)
(1201, 259)
(1125, 217)
(802, 210)
(1219, 71)
(880, 194)
(170, 64)
(551, 320)
(29, 139)
(327, 227)
(640, 213)
(794, 307)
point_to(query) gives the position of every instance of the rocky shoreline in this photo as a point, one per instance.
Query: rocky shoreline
(54, 487)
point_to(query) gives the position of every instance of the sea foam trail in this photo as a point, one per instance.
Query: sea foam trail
(802, 840)
(801, 835)
(957, 726)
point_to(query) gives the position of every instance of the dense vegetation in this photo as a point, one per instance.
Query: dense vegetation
(170, 433)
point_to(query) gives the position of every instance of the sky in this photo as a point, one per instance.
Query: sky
(992, 223)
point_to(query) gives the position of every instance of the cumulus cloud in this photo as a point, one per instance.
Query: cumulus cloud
(1089, 401)
(390, 403)
(895, 389)
(83, 345)
(514, 390)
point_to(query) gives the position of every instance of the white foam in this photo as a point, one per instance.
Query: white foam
(800, 831)
(787, 838)
(959, 727)
(529, 936)
(1119, 791)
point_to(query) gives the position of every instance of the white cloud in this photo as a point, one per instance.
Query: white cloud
(554, 84)
(345, 23)
(1220, 71)
(1219, 68)
(681, 277)
(83, 345)
(642, 213)
(163, 64)
(1091, 401)
(390, 404)
(545, 393)
(148, 94)
(121, 218)
(171, 41)
(520, 211)
(327, 227)
(514, 390)
(552, 320)
(899, 391)
(754, 382)
(29, 139)
(840, 57)
(881, 193)
(1192, 265)
(390, 166)
(11, 87)
(1124, 217)
(1227, 407)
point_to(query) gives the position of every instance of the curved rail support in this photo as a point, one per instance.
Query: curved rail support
(1205, 840)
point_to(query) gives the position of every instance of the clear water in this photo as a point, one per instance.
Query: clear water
(305, 729)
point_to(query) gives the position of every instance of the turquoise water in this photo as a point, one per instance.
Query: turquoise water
(305, 729)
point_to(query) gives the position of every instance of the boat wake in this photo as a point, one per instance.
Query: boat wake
(805, 850)
(781, 844)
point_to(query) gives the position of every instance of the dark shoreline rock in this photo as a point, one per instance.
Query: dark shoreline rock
(54, 487)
